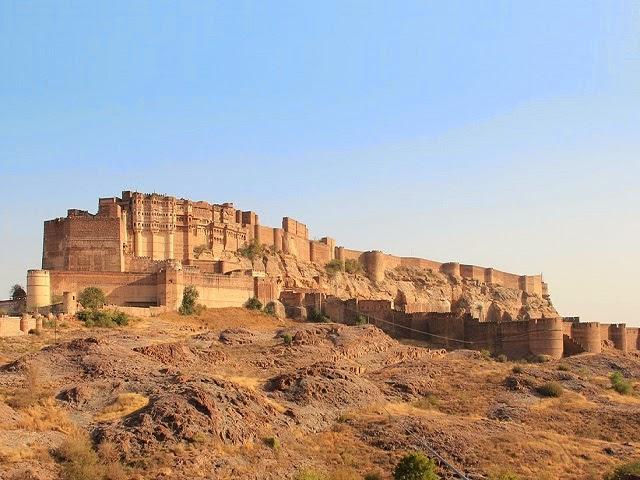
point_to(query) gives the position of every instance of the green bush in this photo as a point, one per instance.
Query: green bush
(361, 320)
(628, 471)
(272, 442)
(416, 466)
(621, 384)
(550, 389)
(252, 250)
(517, 369)
(103, 318)
(373, 476)
(253, 304)
(563, 367)
(352, 266)
(189, 300)
(92, 297)
(540, 358)
(334, 266)
(287, 338)
(316, 316)
(270, 309)
(502, 358)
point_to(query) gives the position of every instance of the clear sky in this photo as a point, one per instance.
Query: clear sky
(502, 134)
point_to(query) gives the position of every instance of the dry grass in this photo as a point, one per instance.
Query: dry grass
(547, 456)
(32, 391)
(250, 383)
(45, 416)
(81, 462)
(221, 318)
(568, 402)
(123, 405)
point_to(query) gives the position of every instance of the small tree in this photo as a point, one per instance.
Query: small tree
(270, 309)
(17, 292)
(252, 250)
(352, 266)
(253, 304)
(621, 384)
(416, 466)
(92, 297)
(334, 266)
(189, 300)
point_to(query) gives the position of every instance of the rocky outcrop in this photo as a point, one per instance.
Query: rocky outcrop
(418, 288)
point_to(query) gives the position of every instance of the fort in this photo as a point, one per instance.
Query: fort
(143, 249)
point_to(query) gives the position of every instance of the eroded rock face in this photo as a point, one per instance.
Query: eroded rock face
(183, 411)
(423, 289)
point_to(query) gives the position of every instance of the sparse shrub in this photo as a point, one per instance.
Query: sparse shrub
(502, 358)
(485, 354)
(621, 384)
(49, 324)
(272, 442)
(416, 466)
(92, 297)
(517, 369)
(34, 331)
(81, 462)
(504, 475)
(270, 309)
(334, 266)
(361, 320)
(200, 249)
(310, 475)
(352, 266)
(189, 300)
(429, 402)
(31, 392)
(253, 304)
(120, 318)
(540, 358)
(316, 316)
(287, 339)
(627, 471)
(252, 250)
(550, 389)
(563, 367)
(373, 476)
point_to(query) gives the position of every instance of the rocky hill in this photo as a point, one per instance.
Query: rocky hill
(231, 394)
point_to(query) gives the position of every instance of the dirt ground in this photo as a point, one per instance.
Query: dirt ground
(237, 394)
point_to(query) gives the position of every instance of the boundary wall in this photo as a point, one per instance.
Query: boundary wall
(163, 288)
(553, 337)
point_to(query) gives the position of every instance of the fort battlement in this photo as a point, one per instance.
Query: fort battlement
(138, 231)
(552, 337)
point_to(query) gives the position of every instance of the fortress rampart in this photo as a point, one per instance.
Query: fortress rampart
(552, 337)
(137, 232)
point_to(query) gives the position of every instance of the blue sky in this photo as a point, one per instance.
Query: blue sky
(494, 133)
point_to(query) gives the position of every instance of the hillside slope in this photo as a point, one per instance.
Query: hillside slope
(223, 395)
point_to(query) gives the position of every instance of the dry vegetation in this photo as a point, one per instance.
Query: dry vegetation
(220, 395)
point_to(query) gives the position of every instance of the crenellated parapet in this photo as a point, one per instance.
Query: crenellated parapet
(132, 232)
